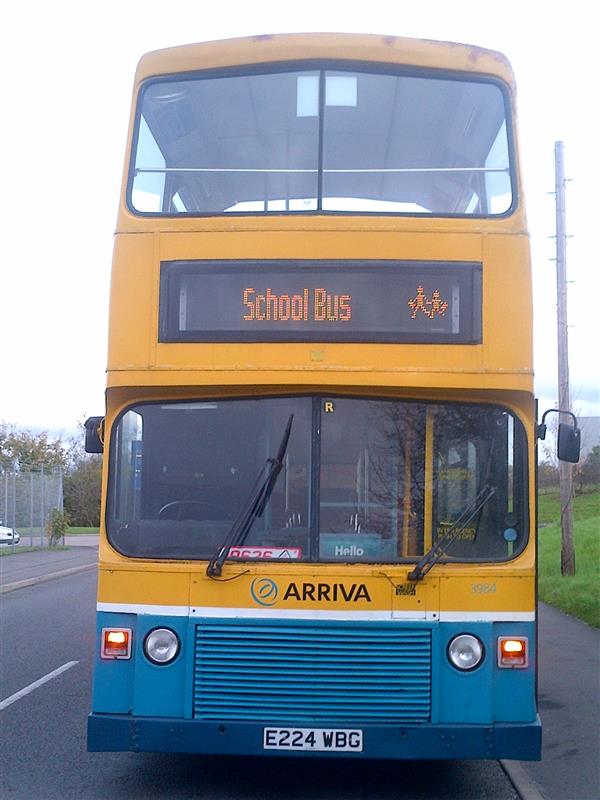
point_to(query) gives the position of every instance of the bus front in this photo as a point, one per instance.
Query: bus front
(317, 525)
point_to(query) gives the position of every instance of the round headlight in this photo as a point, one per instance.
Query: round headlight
(465, 652)
(161, 646)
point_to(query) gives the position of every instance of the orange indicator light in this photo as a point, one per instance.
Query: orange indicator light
(116, 643)
(512, 652)
(513, 646)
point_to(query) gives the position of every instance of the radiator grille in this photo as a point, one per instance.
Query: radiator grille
(311, 673)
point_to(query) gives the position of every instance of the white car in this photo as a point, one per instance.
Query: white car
(8, 536)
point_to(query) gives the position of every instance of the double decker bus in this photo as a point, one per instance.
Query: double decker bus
(318, 531)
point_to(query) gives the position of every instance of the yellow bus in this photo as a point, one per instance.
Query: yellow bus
(318, 531)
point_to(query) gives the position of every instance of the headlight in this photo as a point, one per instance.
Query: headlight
(161, 646)
(465, 652)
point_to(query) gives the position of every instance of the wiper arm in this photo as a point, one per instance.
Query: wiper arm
(458, 526)
(254, 505)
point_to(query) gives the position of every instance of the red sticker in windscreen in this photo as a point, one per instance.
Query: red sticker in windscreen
(282, 553)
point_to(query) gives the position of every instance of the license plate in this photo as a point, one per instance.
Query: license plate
(334, 740)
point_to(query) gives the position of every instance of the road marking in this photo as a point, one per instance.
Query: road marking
(36, 684)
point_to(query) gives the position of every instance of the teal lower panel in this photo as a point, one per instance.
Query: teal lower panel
(113, 732)
(316, 674)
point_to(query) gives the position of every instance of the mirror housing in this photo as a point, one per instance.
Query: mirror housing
(94, 435)
(569, 436)
(569, 443)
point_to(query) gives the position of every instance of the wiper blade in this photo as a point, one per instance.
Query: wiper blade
(254, 505)
(440, 548)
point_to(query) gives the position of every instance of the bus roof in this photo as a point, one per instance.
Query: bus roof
(340, 46)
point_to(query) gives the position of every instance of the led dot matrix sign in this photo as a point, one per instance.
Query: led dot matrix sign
(325, 301)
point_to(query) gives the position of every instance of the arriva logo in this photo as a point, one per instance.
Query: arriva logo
(264, 591)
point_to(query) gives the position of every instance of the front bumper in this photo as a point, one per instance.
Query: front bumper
(115, 732)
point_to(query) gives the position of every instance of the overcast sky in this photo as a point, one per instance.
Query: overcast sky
(68, 71)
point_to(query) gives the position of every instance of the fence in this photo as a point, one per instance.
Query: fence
(27, 500)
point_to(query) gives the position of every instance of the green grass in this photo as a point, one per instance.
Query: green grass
(29, 531)
(8, 550)
(74, 531)
(579, 594)
(71, 531)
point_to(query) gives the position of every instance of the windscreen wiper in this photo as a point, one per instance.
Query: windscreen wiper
(440, 548)
(254, 505)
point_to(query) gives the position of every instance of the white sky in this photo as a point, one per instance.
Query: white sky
(67, 74)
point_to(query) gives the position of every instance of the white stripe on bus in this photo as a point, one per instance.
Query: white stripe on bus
(333, 614)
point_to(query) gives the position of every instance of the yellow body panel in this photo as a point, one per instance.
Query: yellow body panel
(313, 589)
(344, 46)
(500, 361)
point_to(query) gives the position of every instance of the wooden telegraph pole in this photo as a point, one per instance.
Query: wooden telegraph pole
(567, 555)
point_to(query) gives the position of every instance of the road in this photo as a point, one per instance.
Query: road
(42, 735)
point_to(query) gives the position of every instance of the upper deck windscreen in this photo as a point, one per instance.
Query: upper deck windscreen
(331, 140)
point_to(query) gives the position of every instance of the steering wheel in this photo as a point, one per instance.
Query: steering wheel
(199, 510)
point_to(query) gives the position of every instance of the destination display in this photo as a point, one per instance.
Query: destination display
(314, 301)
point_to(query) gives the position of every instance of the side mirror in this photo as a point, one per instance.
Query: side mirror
(569, 436)
(569, 443)
(94, 435)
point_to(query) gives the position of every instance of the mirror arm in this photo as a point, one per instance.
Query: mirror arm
(542, 427)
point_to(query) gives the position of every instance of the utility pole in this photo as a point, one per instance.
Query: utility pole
(567, 553)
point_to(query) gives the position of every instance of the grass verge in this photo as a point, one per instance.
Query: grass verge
(74, 531)
(8, 550)
(579, 594)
